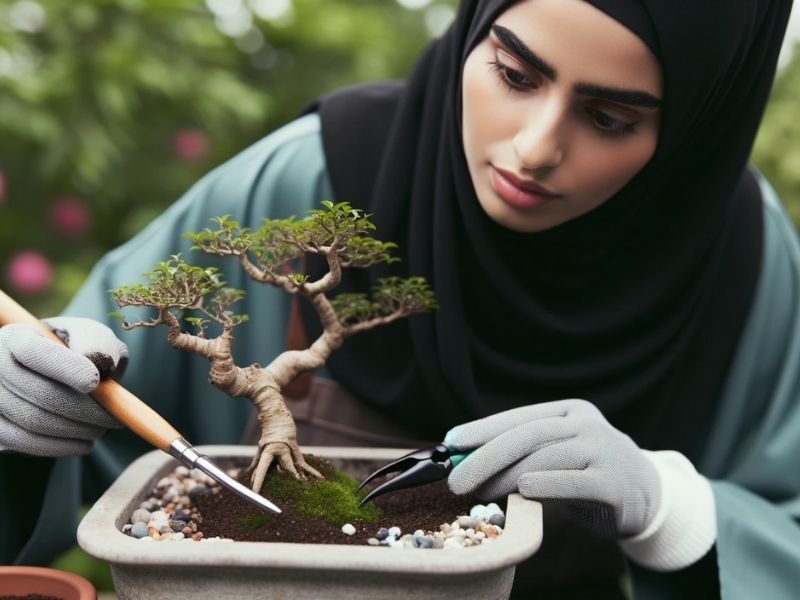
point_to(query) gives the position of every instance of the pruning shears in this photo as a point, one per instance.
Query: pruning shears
(416, 468)
(138, 416)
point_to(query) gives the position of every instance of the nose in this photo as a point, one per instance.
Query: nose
(539, 143)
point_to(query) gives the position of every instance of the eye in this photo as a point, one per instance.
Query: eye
(610, 126)
(510, 77)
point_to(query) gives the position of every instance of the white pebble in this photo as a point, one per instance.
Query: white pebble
(493, 509)
(395, 531)
(182, 471)
(177, 536)
(348, 529)
(478, 513)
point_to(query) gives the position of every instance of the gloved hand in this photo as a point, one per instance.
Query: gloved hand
(44, 406)
(565, 452)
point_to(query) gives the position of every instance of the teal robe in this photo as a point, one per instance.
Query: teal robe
(753, 451)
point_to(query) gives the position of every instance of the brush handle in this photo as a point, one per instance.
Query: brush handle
(125, 406)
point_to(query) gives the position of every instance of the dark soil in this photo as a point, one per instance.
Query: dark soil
(227, 515)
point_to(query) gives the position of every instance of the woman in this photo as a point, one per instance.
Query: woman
(572, 178)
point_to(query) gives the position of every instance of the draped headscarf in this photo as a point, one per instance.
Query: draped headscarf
(637, 306)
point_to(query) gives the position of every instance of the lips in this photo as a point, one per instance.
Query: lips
(517, 192)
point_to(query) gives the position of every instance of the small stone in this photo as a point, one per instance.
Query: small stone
(348, 529)
(466, 522)
(453, 543)
(176, 536)
(197, 536)
(139, 530)
(126, 527)
(187, 531)
(424, 542)
(395, 531)
(197, 490)
(373, 541)
(182, 471)
(382, 534)
(493, 509)
(498, 519)
(177, 525)
(181, 515)
(478, 513)
(163, 482)
(141, 516)
(438, 543)
(146, 538)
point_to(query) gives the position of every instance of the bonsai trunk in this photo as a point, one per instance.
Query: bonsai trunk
(278, 432)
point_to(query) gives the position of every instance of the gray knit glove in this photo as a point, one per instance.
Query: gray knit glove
(565, 452)
(44, 406)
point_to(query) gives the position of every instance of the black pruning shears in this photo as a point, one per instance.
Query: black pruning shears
(417, 468)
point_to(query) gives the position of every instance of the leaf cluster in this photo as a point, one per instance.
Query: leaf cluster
(390, 296)
(337, 230)
(176, 284)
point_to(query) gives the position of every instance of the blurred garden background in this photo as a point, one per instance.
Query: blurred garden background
(110, 109)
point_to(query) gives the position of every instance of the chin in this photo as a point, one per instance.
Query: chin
(510, 218)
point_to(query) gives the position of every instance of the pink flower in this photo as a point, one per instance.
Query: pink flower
(2, 187)
(29, 272)
(190, 144)
(69, 216)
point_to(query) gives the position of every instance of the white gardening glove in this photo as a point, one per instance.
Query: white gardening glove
(44, 406)
(567, 452)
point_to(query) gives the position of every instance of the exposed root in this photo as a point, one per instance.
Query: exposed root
(288, 457)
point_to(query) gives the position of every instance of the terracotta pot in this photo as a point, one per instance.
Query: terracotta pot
(21, 581)
(209, 571)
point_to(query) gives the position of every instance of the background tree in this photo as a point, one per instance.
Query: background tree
(110, 110)
(338, 233)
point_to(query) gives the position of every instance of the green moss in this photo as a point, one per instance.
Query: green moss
(333, 499)
(253, 521)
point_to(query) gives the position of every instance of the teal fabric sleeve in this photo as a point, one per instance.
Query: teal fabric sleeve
(753, 453)
(753, 457)
(284, 174)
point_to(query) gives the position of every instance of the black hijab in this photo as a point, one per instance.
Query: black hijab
(636, 306)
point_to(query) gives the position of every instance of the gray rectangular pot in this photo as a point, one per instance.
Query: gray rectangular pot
(213, 570)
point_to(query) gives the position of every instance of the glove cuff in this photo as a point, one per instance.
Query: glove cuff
(685, 527)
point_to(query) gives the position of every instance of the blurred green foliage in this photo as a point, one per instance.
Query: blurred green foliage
(777, 148)
(109, 110)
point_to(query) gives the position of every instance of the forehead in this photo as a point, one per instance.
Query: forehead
(583, 44)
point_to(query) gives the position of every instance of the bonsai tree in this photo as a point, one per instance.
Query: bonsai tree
(272, 255)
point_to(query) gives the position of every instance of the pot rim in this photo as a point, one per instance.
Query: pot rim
(20, 579)
(100, 536)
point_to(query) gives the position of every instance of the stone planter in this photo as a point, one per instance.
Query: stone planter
(177, 570)
(24, 581)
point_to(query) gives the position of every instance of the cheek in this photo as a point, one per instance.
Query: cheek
(607, 170)
(478, 105)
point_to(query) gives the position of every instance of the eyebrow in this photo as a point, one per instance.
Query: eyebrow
(525, 54)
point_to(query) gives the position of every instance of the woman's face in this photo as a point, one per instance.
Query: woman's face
(560, 111)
